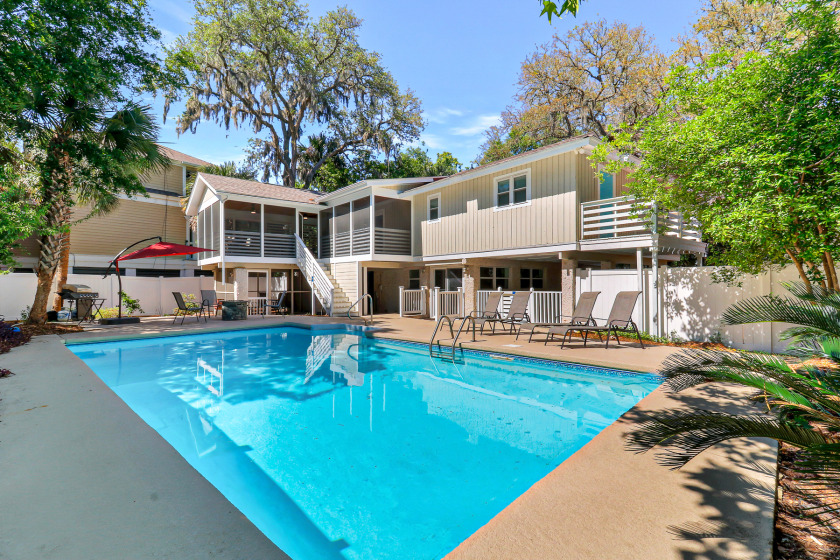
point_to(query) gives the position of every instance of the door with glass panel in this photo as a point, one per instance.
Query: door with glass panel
(448, 279)
(606, 189)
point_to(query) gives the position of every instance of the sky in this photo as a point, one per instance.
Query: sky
(460, 57)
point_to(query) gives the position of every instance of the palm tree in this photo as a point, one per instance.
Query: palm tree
(85, 156)
(801, 404)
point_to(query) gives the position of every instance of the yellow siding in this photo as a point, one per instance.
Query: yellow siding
(171, 181)
(130, 222)
(469, 222)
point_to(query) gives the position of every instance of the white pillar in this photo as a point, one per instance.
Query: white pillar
(262, 230)
(352, 232)
(657, 318)
(372, 227)
(640, 282)
(222, 238)
(402, 289)
(434, 303)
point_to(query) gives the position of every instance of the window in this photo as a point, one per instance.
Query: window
(433, 211)
(531, 278)
(513, 190)
(155, 272)
(413, 279)
(448, 279)
(491, 278)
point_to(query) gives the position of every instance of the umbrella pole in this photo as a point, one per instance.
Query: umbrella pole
(119, 293)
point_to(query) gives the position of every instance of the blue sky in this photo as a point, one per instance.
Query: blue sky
(461, 57)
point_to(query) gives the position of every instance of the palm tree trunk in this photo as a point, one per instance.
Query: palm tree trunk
(52, 245)
(63, 269)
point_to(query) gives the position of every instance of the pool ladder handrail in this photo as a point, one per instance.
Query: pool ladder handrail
(369, 318)
(455, 337)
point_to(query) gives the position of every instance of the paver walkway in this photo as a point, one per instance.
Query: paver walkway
(84, 477)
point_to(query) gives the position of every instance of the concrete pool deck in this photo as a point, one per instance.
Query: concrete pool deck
(84, 477)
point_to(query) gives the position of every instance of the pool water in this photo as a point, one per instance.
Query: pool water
(339, 446)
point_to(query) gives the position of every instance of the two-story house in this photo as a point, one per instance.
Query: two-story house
(432, 244)
(95, 241)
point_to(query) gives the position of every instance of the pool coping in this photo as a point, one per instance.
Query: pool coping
(71, 339)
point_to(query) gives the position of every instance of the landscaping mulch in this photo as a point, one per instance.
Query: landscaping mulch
(798, 537)
(49, 328)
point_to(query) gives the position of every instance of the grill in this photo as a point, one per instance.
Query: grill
(86, 301)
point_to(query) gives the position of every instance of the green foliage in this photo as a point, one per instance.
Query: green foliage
(130, 304)
(107, 313)
(268, 65)
(801, 404)
(550, 9)
(750, 150)
(69, 76)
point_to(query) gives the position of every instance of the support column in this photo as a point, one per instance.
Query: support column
(656, 321)
(640, 283)
(240, 283)
(372, 227)
(567, 285)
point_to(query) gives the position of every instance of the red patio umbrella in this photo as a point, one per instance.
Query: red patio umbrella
(159, 249)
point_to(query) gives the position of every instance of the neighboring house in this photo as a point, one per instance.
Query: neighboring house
(526, 222)
(95, 241)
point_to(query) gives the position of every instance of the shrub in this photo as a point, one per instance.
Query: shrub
(131, 304)
(11, 336)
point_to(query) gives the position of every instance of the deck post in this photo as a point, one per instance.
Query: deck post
(402, 290)
(657, 317)
(640, 281)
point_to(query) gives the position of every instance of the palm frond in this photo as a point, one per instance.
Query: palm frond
(682, 436)
(813, 320)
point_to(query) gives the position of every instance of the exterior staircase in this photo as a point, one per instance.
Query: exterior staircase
(341, 302)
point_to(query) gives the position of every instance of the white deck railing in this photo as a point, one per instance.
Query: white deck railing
(625, 216)
(446, 303)
(412, 302)
(322, 287)
(543, 307)
(257, 305)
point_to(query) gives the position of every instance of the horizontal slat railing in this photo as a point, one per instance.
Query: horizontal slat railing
(392, 241)
(279, 245)
(625, 216)
(361, 241)
(342, 245)
(242, 243)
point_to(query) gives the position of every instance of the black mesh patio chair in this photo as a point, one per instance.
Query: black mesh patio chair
(187, 308)
(278, 305)
(210, 301)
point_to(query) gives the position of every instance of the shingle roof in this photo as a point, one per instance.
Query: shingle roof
(175, 155)
(255, 188)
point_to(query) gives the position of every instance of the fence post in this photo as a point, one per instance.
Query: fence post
(423, 290)
(461, 301)
(435, 303)
(402, 289)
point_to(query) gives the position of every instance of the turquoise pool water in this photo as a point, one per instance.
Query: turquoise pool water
(339, 446)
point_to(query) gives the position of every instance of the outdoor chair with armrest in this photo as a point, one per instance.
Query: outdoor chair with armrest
(581, 315)
(277, 304)
(620, 320)
(490, 314)
(185, 308)
(518, 311)
(210, 301)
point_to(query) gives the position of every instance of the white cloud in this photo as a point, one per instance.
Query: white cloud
(442, 114)
(478, 125)
(432, 141)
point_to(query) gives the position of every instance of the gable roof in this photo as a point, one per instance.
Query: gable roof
(245, 187)
(519, 159)
(181, 157)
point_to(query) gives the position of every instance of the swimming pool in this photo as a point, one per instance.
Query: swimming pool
(340, 446)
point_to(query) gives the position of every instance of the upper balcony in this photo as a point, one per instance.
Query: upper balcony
(624, 222)
(345, 230)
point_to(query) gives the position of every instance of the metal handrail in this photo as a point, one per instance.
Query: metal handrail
(366, 296)
(464, 321)
(437, 326)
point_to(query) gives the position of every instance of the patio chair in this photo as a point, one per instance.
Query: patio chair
(490, 313)
(620, 320)
(185, 309)
(581, 315)
(277, 304)
(518, 311)
(211, 301)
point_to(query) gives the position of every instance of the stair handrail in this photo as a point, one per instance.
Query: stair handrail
(315, 275)
(370, 315)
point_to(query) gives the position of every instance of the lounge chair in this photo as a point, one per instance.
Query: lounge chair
(620, 320)
(518, 311)
(185, 309)
(490, 314)
(211, 302)
(581, 315)
(277, 304)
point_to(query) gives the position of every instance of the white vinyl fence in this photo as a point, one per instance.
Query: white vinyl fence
(690, 303)
(446, 303)
(17, 290)
(413, 302)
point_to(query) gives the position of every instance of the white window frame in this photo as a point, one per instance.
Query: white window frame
(511, 176)
(429, 208)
